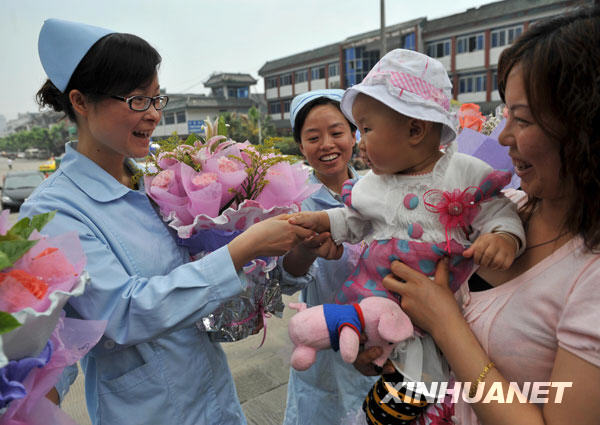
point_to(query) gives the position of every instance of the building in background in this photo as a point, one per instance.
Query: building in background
(2, 125)
(468, 44)
(28, 120)
(186, 113)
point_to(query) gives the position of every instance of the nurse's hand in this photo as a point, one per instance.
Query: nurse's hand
(271, 237)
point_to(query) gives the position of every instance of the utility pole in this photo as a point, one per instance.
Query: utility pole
(382, 28)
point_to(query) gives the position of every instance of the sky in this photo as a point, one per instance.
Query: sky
(197, 37)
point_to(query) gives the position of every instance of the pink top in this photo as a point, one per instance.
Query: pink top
(521, 323)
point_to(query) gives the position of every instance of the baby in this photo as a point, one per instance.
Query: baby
(421, 200)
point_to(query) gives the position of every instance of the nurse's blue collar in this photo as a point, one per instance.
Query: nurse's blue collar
(336, 196)
(90, 177)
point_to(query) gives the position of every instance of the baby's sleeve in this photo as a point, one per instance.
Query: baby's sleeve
(498, 213)
(348, 225)
(577, 330)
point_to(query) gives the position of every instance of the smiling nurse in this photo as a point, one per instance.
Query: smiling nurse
(153, 365)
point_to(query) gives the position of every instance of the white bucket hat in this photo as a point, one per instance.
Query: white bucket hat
(412, 84)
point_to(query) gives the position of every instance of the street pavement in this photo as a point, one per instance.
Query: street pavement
(260, 374)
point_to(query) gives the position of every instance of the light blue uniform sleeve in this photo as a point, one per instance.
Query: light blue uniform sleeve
(65, 381)
(140, 308)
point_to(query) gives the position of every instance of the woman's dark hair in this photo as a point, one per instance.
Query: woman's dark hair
(115, 65)
(301, 116)
(560, 64)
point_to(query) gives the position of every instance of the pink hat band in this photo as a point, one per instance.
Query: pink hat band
(410, 83)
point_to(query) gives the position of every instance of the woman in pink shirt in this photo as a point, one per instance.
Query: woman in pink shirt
(540, 321)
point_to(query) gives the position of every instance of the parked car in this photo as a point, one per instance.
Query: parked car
(17, 186)
(48, 166)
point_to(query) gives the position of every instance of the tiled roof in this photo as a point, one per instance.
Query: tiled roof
(487, 13)
(224, 77)
(331, 50)
(179, 101)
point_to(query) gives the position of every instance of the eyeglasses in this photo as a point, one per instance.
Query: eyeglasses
(142, 103)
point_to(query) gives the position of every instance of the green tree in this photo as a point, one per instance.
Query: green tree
(51, 140)
(249, 126)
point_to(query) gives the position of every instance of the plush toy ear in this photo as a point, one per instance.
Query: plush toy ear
(348, 344)
(395, 326)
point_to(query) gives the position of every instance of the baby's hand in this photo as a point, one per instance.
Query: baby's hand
(312, 220)
(495, 251)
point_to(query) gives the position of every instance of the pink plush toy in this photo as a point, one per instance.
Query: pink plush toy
(339, 327)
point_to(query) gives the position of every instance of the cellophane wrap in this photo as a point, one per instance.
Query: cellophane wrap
(241, 316)
(211, 191)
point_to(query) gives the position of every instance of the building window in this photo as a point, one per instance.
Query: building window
(301, 76)
(317, 73)
(219, 92)
(275, 107)
(504, 36)
(334, 69)
(272, 82)
(408, 41)
(169, 118)
(438, 49)
(495, 80)
(357, 64)
(286, 80)
(181, 117)
(231, 93)
(242, 92)
(286, 105)
(472, 83)
(469, 43)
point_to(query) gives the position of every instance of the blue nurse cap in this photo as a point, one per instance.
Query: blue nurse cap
(302, 99)
(62, 45)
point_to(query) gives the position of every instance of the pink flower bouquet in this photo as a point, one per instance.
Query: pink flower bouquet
(210, 192)
(38, 274)
(481, 140)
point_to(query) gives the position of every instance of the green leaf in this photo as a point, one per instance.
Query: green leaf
(7, 322)
(222, 128)
(13, 250)
(24, 227)
(4, 261)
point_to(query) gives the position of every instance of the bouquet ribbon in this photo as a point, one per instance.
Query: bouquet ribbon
(265, 315)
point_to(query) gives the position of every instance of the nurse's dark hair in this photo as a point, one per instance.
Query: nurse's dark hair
(115, 65)
(303, 113)
(560, 64)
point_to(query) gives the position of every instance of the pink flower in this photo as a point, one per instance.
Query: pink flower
(163, 179)
(442, 414)
(227, 165)
(469, 116)
(456, 209)
(204, 179)
(287, 184)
